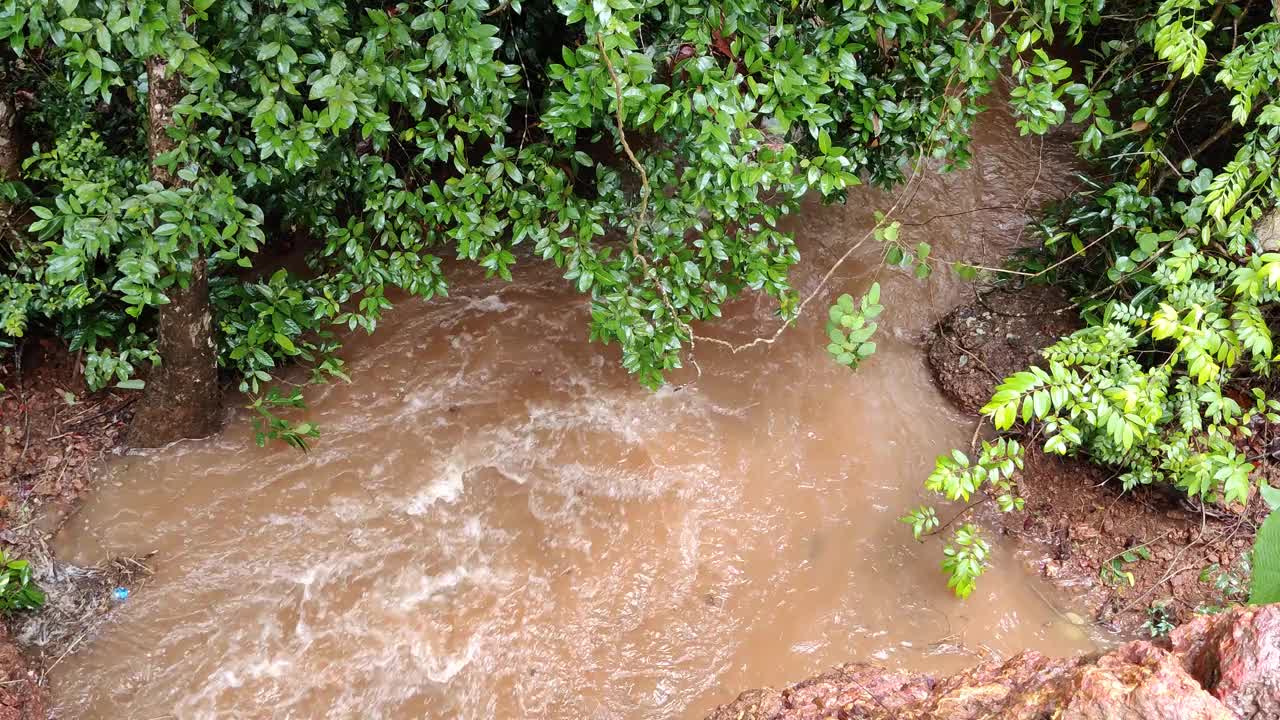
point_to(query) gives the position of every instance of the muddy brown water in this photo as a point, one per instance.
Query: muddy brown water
(499, 523)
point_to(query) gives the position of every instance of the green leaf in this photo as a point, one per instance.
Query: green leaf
(76, 25)
(268, 50)
(321, 87)
(1270, 495)
(131, 384)
(1265, 584)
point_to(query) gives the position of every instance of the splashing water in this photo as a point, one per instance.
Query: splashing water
(499, 523)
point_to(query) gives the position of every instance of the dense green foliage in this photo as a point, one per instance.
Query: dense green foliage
(380, 139)
(1169, 251)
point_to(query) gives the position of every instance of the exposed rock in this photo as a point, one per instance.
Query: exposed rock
(1221, 667)
(1140, 682)
(979, 344)
(1028, 685)
(856, 690)
(1239, 662)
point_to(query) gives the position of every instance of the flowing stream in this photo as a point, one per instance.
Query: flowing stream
(498, 522)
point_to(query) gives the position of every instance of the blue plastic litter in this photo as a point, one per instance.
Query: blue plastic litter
(121, 593)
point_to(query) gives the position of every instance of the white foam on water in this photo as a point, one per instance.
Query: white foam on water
(433, 587)
(446, 487)
(488, 304)
(446, 668)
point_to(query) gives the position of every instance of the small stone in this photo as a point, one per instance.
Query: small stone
(1084, 531)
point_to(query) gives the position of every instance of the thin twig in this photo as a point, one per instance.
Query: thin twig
(66, 652)
(970, 211)
(973, 442)
(1026, 197)
(906, 194)
(1148, 543)
(95, 416)
(957, 516)
(1032, 276)
(1217, 135)
(970, 354)
(1172, 573)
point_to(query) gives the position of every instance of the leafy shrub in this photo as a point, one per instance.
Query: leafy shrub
(1170, 251)
(1159, 623)
(1114, 570)
(849, 327)
(379, 137)
(17, 591)
(1167, 380)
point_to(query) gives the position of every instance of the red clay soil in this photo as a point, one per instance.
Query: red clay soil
(1077, 516)
(53, 436)
(21, 696)
(1086, 523)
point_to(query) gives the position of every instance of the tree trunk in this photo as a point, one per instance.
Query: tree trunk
(10, 162)
(182, 398)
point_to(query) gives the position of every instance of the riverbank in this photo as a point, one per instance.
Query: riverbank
(54, 438)
(1219, 667)
(55, 435)
(1133, 558)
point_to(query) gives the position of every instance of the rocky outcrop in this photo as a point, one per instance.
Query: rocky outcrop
(1220, 667)
(1237, 659)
